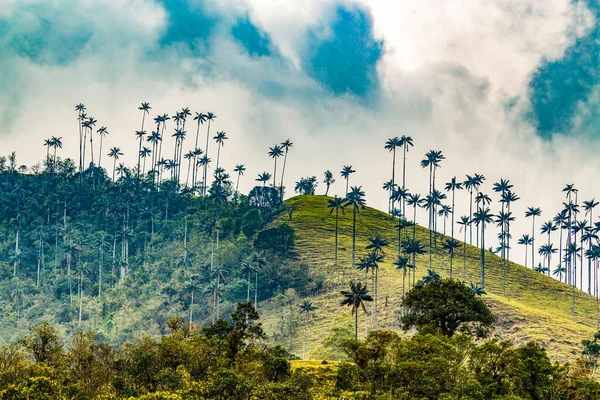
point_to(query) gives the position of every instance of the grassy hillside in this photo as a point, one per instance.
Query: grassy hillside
(533, 307)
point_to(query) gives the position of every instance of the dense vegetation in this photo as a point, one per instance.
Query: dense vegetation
(120, 258)
(227, 360)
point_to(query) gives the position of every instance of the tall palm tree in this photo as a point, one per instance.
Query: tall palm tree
(413, 247)
(391, 145)
(525, 240)
(588, 236)
(356, 298)
(376, 245)
(546, 250)
(355, 199)
(464, 222)
(190, 157)
(201, 119)
(502, 187)
(80, 108)
(275, 152)
(346, 171)
(405, 142)
(503, 220)
(258, 261)
(192, 287)
(91, 123)
(210, 117)
(336, 204)
(472, 183)
(239, 170)
(415, 200)
(115, 153)
(401, 263)
(453, 186)
(103, 131)
(264, 178)
(328, 181)
(432, 161)
(285, 145)
(389, 187)
(248, 268)
(444, 212)
(508, 198)
(481, 218)
(144, 154)
(450, 245)
(306, 308)
(140, 135)
(533, 212)
(220, 138)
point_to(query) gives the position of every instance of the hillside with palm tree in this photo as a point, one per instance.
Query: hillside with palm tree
(531, 306)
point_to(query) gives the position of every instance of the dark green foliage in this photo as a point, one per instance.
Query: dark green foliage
(278, 241)
(447, 306)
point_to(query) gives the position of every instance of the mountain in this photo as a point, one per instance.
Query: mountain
(531, 307)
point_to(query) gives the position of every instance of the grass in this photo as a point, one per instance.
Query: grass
(533, 306)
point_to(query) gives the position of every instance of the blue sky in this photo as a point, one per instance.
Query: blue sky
(500, 87)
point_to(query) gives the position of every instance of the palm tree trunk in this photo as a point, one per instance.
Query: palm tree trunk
(533, 242)
(353, 235)
(283, 169)
(274, 172)
(80, 297)
(404, 178)
(192, 309)
(248, 295)
(483, 254)
(304, 344)
(356, 324)
(256, 291)
(237, 184)
(206, 165)
(336, 236)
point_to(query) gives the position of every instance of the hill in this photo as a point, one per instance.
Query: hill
(533, 306)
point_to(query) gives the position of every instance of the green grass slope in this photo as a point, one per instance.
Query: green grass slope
(533, 306)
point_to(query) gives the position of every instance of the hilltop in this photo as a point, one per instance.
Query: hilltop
(533, 306)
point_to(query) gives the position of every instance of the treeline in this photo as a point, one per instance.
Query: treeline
(119, 258)
(228, 360)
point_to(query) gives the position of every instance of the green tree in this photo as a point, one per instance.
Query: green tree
(356, 298)
(306, 308)
(355, 199)
(336, 204)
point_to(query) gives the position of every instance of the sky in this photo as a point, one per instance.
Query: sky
(508, 89)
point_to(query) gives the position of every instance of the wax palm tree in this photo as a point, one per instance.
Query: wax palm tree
(356, 298)
(210, 117)
(115, 153)
(264, 178)
(258, 262)
(306, 308)
(450, 245)
(503, 220)
(413, 248)
(204, 162)
(200, 117)
(508, 198)
(328, 181)
(401, 263)
(546, 250)
(559, 271)
(445, 212)
(248, 268)
(91, 123)
(405, 142)
(103, 131)
(482, 217)
(239, 170)
(431, 276)
(472, 184)
(220, 139)
(476, 289)
(346, 172)
(275, 152)
(144, 154)
(588, 236)
(464, 223)
(192, 287)
(502, 187)
(593, 254)
(453, 186)
(391, 189)
(391, 145)
(190, 157)
(560, 220)
(56, 144)
(376, 244)
(140, 136)
(80, 108)
(355, 199)
(533, 212)
(415, 200)
(286, 145)
(526, 240)
(336, 204)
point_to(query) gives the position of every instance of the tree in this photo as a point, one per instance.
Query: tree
(192, 287)
(346, 172)
(413, 247)
(401, 263)
(355, 199)
(453, 186)
(306, 186)
(306, 308)
(450, 245)
(471, 184)
(336, 204)
(239, 170)
(103, 131)
(391, 145)
(405, 142)
(525, 240)
(285, 145)
(356, 298)
(415, 200)
(80, 108)
(210, 117)
(264, 178)
(464, 222)
(115, 153)
(447, 306)
(220, 139)
(533, 212)
(328, 181)
(481, 218)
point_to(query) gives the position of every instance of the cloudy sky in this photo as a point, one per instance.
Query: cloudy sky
(505, 88)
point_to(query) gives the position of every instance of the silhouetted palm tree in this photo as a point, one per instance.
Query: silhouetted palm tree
(450, 245)
(306, 308)
(346, 171)
(210, 117)
(285, 145)
(356, 298)
(355, 199)
(275, 152)
(391, 145)
(481, 218)
(405, 142)
(264, 178)
(401, 263)
(239, 169)
(546, 250)
(115, 153)
(453, 186)
(145, 153)
(415, 200)
(533, 212)
(336, 204)
(220, 138)
(80, 108)
(464, 222)
(413, 247)
(526, 240)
